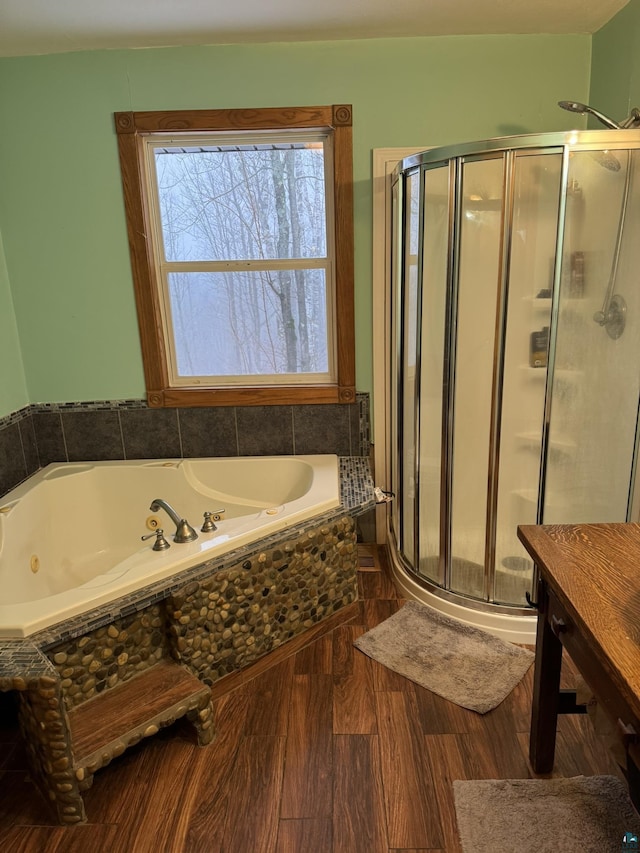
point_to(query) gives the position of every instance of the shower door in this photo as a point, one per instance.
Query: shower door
(501, 297)
(478, 292)
(408, 313)
(596, 380)
(521, 392)
(512, 404)
(434, 352)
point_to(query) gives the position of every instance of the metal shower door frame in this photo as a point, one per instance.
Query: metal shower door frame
(454, 158)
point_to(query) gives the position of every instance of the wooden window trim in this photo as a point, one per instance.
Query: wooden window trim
(131, 127)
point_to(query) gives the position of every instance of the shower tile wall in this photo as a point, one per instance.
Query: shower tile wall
(127, 429)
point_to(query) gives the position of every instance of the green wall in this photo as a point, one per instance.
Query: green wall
(615, 68)
(61, 213)
(13, 387)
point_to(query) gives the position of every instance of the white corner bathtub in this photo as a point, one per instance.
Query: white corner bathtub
(70, 536)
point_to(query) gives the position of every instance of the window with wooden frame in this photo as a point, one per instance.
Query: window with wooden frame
(240, 227)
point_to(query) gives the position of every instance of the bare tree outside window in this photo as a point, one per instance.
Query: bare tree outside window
(230, 205)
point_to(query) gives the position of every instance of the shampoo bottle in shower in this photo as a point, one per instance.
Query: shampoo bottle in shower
(538, 348)
(576, 282)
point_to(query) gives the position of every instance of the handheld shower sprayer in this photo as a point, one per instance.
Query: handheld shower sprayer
(583, 109)
(612, 315)
(632, 120)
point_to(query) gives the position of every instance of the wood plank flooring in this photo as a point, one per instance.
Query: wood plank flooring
(326, 751)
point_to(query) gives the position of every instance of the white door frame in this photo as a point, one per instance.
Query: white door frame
(383, 163)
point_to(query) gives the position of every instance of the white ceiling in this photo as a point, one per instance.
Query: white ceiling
(56, 26)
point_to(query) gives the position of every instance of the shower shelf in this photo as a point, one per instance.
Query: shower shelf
(530, 497)
(556, 445)
(539, 303)
(526, 495)
(563, 374)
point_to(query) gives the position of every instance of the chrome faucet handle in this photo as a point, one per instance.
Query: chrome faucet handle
(161, 543)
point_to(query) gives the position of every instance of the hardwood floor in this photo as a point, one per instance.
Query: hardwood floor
(326, 751)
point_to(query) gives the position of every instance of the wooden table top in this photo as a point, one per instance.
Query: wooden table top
(594, 571)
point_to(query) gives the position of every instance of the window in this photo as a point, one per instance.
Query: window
(240, 230)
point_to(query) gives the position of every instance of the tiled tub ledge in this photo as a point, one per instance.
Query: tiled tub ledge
(156, 653)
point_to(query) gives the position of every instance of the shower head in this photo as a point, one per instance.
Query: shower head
(583, 109)
(604, 157)
(631, 121)
(607, 159)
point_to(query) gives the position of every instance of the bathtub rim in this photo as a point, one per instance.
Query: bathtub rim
(143, 568)
(50, 471)
(104, 614)
(354, 500)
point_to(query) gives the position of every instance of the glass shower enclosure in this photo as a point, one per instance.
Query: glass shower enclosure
(515, 353)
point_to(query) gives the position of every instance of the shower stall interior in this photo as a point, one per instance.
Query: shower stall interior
(515, 354)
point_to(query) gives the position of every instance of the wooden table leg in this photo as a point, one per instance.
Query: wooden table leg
(546, 687)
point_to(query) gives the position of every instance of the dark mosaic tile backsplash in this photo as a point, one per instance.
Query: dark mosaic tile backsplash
(128, 429)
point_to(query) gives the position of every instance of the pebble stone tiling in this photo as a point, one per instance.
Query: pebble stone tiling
(221, 624)
(44, 726)
(214, 619)
(110, 655)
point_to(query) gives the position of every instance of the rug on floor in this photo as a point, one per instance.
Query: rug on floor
(590, 814)
(461, 663)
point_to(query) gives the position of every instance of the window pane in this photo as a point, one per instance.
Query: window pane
(249, 323)
(225, 204)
